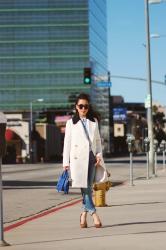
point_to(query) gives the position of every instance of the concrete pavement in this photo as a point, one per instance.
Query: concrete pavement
(30, 188)
(135, 220)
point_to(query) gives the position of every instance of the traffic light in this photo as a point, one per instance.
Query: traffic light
(87, 75)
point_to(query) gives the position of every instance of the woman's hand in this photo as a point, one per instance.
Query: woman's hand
(108, 173)
(66, 167)
(98, 160)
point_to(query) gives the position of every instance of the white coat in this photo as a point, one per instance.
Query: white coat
(76, 152)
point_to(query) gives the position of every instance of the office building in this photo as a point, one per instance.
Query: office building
(45, 44)
(44, 47)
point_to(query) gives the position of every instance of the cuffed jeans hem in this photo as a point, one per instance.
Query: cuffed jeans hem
(90, 211)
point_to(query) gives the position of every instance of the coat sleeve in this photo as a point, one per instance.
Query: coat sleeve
(98, 142)
(101, 172)
(67, 144)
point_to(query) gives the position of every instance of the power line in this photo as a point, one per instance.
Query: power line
(137, 79)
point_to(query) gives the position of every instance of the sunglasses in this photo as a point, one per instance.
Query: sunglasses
(81, 106)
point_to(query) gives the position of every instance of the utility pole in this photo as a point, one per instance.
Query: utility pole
(110, 111)
(149, 89)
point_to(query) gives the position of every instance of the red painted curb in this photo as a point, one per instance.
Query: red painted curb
(37, 216)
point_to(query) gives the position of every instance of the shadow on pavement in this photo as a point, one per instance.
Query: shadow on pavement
(139, 203)
(127, 161)
(89, 237)
(11, 184)
(135, 223)
(14, 184)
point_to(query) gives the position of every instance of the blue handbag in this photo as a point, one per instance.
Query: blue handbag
(63, 182)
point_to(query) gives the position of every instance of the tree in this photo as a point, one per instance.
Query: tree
(159, 124)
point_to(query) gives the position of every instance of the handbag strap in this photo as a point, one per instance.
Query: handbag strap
(87, 134)
(66, 174)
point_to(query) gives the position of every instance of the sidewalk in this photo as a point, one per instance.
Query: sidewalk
(136, 220)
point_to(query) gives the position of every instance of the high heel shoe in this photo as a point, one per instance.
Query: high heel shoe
(83, 225)
(97, 225)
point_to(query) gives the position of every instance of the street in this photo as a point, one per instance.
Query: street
(133, 219)
(30, 188)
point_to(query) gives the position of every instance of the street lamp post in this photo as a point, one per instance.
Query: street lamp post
(149, 90)
(31, 117)
(31, 112)
(31, 124)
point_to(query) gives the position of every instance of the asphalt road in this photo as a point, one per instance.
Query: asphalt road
(30, 188)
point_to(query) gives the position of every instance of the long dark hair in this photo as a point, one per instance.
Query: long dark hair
(91, 114)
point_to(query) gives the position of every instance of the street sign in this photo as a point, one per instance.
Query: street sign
(104, 84)
(120, 114)
(148, 101)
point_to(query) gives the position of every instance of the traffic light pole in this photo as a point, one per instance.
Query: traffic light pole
(149, 90)
(109, 103)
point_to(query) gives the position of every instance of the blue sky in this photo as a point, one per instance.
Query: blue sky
(126, 52)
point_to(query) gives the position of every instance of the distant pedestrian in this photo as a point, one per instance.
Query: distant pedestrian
(82, 154)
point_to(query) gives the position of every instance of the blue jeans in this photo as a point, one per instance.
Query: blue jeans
(87, 202)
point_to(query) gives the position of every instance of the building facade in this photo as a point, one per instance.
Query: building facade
(44, 47)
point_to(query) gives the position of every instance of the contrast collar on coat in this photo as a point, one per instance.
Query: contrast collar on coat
(76, 118)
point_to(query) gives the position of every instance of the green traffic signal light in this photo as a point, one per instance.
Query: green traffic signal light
(86, 80)
(87, 75)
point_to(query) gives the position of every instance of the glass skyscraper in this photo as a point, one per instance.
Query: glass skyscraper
(44, 46)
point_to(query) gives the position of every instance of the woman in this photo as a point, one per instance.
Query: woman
(82, 154)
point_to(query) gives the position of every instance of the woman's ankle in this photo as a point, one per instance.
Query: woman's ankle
(83, 220)
(84, 215)
(96, 218)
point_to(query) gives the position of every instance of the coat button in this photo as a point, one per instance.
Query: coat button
(76, 145)
(75, 158)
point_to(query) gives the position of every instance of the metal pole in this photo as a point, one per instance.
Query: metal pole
(30, 134)
(131, 169)
(155, 173)
(109, 100)
(164, 159)
(31, 117)
(147, 165)
(2, 241)
(149, 89)
(1, 201)
(31, 127)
